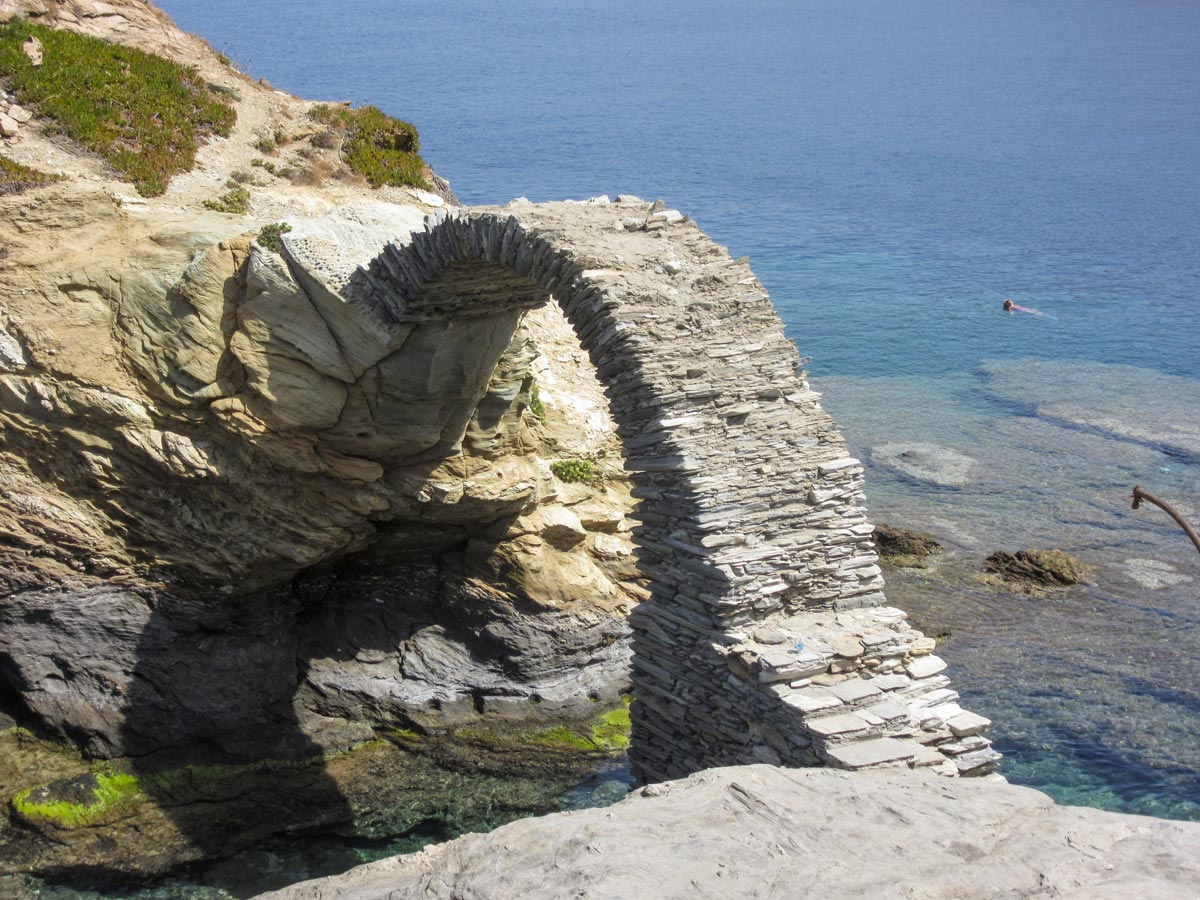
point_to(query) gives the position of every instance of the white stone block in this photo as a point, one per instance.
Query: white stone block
(967, 724)
(924, 666)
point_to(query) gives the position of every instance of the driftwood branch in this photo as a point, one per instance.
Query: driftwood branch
(1139, 495)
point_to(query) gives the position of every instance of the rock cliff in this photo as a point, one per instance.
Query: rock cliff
(231, 517)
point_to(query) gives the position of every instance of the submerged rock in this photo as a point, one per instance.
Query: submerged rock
(89, 824)
(764, 832)
(925, 462)
(1037, 569)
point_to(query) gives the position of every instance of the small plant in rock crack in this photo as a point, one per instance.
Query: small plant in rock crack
(271, 236)
(574, 471)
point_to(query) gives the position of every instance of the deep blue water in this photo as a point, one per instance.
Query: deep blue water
(894, 171)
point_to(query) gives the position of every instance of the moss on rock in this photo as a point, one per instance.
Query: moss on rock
(82, 800)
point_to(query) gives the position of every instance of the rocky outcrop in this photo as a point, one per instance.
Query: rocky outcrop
(1035, 570)
(204, 423)
(904, 546)
(237, 517)
(767, 833)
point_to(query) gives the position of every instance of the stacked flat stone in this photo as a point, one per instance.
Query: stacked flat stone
(766, 637)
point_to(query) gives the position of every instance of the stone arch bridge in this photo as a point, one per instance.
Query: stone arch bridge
(768, 637)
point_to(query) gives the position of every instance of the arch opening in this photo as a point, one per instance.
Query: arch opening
(767, 636)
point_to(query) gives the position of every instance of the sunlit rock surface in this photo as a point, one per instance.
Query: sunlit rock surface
(765, 833)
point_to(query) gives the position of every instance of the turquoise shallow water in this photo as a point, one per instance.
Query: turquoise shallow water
(894, 171)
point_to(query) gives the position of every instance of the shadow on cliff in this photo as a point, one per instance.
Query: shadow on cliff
(213, 731)
(234, 715)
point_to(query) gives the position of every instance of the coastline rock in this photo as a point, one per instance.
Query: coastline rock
(763, 832)
(89, 827)
(210, 457)
(1037, 569)
(925, 462)
(314, 667)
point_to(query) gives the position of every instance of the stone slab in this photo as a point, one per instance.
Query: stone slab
(925, 666)
(881, 751)
(840, 724)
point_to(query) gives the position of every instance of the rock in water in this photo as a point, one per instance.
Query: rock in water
(764, 832)
(1037, 568)
(900, 543)
(925, 462)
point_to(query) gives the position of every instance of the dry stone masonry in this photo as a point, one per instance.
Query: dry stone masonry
(767, 637)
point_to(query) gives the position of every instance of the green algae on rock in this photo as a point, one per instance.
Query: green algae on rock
(113, 826)
(82, 800)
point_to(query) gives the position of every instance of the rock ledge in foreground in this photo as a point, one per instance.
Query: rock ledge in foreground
(765, 832)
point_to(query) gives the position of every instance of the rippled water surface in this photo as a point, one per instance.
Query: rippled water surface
(894, 171)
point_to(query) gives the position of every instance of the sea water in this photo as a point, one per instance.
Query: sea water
(894, 171)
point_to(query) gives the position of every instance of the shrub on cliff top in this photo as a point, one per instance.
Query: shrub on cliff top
(271, 236)
(380, 148)
(144, 114)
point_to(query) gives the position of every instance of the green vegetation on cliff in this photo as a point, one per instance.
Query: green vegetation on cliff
(144, 114)
(15, 178)
(573, 470)
(236, 201)
(271, 236)
(380, 148)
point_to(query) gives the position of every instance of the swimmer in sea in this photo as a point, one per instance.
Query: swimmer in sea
(1011, 307)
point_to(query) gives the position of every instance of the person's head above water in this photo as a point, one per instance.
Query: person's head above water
(1008, 305)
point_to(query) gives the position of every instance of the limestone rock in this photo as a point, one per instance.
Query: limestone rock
(12, 357)
(33, 49)
(761, 832)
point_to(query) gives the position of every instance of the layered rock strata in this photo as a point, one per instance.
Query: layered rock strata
(223, 533)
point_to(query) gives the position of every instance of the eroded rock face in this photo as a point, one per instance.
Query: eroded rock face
(312, 667)
(763, 832)
(195, 431)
